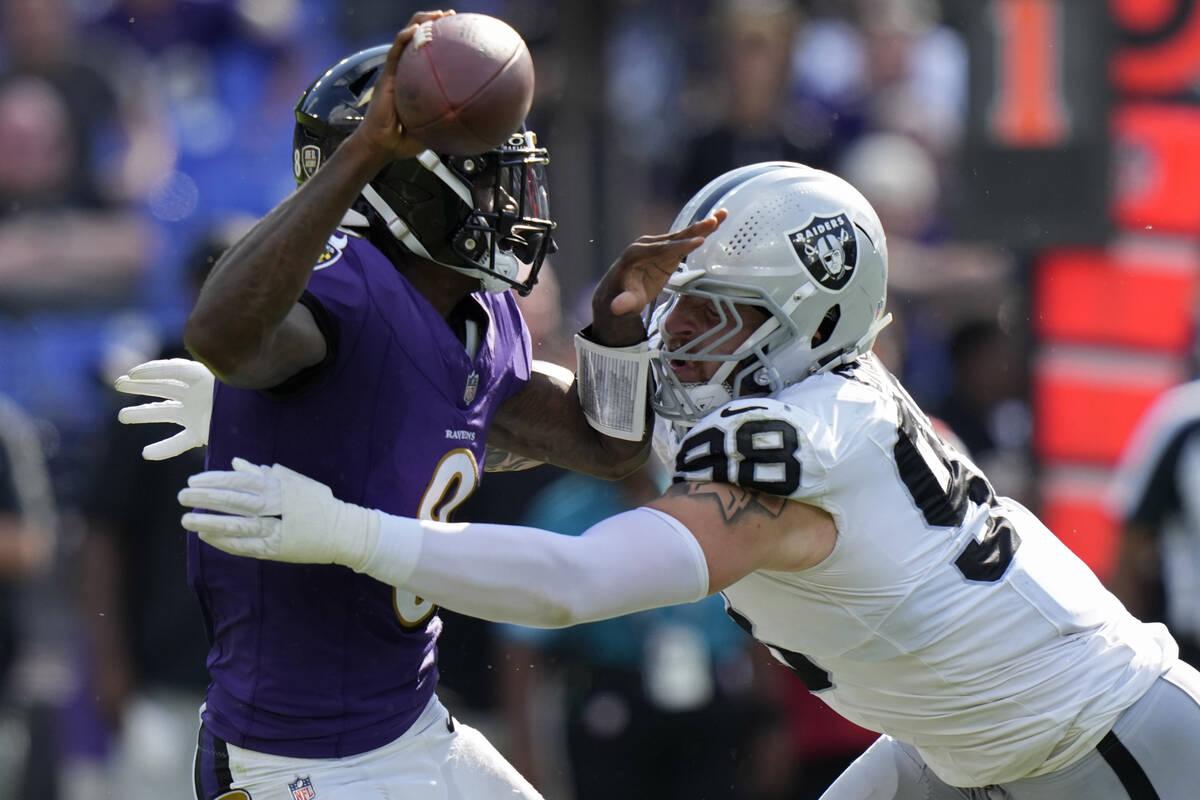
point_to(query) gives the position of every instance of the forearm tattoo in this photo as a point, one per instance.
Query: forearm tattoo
(733, 500)
(501, 461)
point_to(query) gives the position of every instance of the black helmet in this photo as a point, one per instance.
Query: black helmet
(485, 215)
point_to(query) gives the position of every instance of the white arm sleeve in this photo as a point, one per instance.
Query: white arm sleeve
(507, 573)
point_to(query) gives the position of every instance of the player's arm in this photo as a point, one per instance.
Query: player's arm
(247, 325)
(694, 540)
(547, 378)
(545, 421)
(742, 530)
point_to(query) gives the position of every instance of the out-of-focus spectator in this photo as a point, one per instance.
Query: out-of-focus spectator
(933, 282)
(119, 146)
(986, 408)
(146, 636)
(73, 252)
(655, 704)
(1155, 496)
(227, 73)
(68, 135)
(72, 249)
(754, 40)
(26, 518)
(900, 177)
(890, 66)
(61, 244)
(28, 529)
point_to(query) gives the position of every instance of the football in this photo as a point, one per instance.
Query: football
(464, 84)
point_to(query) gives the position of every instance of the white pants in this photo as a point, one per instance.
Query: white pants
(436, 759)
(1152, 753)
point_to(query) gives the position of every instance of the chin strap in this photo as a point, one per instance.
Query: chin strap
(396, 226)
(708, 396)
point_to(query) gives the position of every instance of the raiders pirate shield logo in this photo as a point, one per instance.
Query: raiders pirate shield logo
(828, 247)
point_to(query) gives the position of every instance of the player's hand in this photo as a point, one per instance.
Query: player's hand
(276, 513)
(637, 277)
(381, 128)
(187, 391)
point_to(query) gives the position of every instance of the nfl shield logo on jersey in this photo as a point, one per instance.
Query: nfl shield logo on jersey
(828, 247)
(471, 388)
(302, 789)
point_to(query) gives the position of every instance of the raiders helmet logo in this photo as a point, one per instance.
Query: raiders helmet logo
(828, 247)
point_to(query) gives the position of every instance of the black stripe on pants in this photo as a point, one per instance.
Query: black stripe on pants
(213, 778)
(1128, 770)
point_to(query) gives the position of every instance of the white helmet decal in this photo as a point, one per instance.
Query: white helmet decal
(828, 247)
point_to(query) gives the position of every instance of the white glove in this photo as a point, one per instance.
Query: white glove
(187, 391)
(278, 514)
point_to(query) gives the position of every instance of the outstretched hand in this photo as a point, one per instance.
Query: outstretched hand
(186, 389)
(381, 126)
(276, 513)
(638, 276)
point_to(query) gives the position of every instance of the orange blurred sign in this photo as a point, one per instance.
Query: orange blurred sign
(1159, 51)
(1157, 167)
(1135, 294)
(1084, 525)
(1086, 404)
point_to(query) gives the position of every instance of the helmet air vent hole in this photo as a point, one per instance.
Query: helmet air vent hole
(828, 323)
(360, 83)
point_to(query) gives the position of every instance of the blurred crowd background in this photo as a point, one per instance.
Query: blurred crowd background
(1034, 165)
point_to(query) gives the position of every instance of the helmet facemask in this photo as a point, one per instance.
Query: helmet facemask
(509, 234)
(754, 367)
(745, 371)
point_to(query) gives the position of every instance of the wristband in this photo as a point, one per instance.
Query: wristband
(613, 385)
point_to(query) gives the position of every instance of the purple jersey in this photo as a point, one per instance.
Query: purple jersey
(317, 661)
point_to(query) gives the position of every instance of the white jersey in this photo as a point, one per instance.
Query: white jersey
(946, 617)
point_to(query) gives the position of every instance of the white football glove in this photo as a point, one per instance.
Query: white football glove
(278, 514)
(187, 391)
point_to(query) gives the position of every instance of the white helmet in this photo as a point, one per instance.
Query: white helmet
(800, 244)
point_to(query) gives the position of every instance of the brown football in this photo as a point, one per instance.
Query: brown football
(464, 84)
